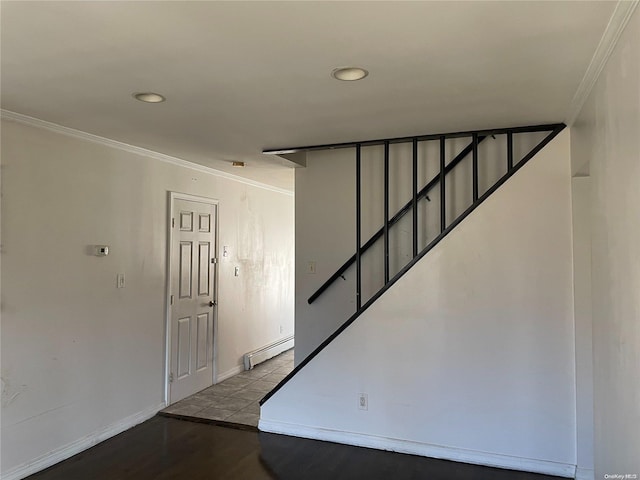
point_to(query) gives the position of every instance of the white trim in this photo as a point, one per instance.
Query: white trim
(71, 132)
(230, 373)
(172, 196)
(585, 474)
(422, 449)
(193, 198)
(618, 21)
(77, 446)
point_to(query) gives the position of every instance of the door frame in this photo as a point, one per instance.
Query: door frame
(170, 215)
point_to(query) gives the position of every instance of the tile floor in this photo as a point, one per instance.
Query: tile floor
(236, 399)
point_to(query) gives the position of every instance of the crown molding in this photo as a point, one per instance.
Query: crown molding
(617, 23)
(71, 132)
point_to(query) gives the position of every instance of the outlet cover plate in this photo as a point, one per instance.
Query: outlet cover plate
(363, 401)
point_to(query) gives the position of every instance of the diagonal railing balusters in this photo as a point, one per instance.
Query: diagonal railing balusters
(422, 194)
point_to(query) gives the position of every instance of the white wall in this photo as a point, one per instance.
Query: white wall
(581, 212)
(470, 355)
(607, 137)
(78, 355)
(324, 206)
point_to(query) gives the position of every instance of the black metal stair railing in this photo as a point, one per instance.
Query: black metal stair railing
(476, 137)
(422, 194)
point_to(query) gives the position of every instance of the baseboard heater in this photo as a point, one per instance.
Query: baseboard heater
(251, 359)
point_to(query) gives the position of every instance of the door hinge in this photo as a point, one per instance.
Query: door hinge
(173, 223)
(171, 299)
(171, 377)
(214, 260)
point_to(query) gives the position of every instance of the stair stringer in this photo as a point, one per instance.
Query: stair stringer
(468, 356)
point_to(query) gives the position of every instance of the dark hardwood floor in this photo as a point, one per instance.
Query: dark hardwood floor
(166, 448)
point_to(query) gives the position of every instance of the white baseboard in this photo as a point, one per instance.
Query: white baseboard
(422, 449)
(585, 474)
(221, 377)
(77, 446)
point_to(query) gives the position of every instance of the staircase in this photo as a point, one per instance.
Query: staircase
(462, 182)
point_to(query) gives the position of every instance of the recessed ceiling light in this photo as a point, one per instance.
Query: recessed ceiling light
(237, 164)
(349, 74)
(149, 97)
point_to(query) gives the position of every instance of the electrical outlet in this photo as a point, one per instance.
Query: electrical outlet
(363, 401)
(236, 271)
(311, 267)
(281, 329)
(120, 280)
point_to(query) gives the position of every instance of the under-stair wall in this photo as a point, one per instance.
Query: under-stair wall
(470, 355)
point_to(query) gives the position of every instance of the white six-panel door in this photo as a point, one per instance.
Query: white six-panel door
(192, 300)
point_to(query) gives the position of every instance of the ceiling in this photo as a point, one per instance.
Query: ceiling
(241, 77)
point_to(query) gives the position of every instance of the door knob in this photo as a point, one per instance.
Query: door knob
(213, 303)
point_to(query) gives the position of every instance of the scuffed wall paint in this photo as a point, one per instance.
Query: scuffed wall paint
(10, 392)
(79, 355)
